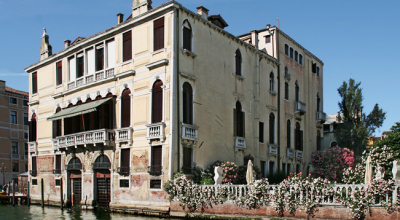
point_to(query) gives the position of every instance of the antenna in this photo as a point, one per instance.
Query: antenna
(278, 22)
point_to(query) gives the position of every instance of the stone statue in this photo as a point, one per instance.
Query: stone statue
(396, 171)
(88, 161)
(380, 172)
(218, 175)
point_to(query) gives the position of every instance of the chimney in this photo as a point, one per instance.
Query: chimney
(45, 48)
(254, 38)
(203, 12)
(268, 26)
(140, 7)
(2, 85)
(67, 43)
(120, 18)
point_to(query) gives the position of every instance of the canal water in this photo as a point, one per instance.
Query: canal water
(22, 212)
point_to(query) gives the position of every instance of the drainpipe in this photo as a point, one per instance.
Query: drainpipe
(279, 95)
(178, 139)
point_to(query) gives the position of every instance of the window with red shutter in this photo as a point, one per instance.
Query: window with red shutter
(34, 82)
(99, 58)
(127, 46)
(80, 67)
(157, 102)
(187, 103)
(158, 34)
(156, 158)
(59, 73)
(126, 108)
(34, 167)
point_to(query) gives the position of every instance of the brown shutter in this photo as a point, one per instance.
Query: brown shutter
(159, 34)
(125, 155)
(55, 126)
(157, 102)
(99, 59)
(34, 163)
(235, 123)
(59, 73)
(126, 108)
(34, 82)
(127, 46)
(156, 158)
(58, 162)
(80, 67)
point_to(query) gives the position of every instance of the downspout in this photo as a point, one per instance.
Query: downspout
(279, 96)
(178, 139)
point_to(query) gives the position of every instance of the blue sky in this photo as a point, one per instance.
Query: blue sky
(356, 38)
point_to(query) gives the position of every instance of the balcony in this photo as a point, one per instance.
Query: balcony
(88, 80)
(299, 155)
(101, 136)
(101, 165)
(321, 116)
(154, 170)
(300, 107)
(240, 143)
(123, 170)
(273, 149)
(123, 135)
(33, 172)
(57, 171)
(73, 166)
(32, 147)
(155, 131)
(15, 156)
(290, 153)
(189, 132)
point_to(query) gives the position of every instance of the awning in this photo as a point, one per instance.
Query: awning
(78, 110)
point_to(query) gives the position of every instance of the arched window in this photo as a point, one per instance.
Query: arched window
(271, 128)
(298, 137)
(239, 120)
(288, 134)
(187, 103)
(238, 62)
(271, 82)
(318, 103)
(126, 108)
(318, 140)
(286, 90)
(297, 92)
(102, 162)
(74, 164)
(57, 125)
(157, 102)
(287, 49)
(32, 128)
(187, 36)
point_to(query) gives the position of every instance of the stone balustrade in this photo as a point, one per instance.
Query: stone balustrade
(299, 155)
(289, 153)
(155, 131)
(189, 132)
(94, 137)
(273, 149)
(300, 107)
(321, 116)
(32, 146)
(123, 135)
(240, 143)
(87, 80)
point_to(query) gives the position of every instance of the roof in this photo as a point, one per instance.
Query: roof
(77, 40)
(11, 90)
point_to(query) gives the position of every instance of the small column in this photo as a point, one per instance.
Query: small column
(45, 48)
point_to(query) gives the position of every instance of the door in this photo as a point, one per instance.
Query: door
(76, 191)
(103, 188)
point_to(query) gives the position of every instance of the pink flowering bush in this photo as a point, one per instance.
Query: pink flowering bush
(232, 173)
(331, 163)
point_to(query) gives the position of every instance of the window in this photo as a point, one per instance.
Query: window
(286, 90)
(13, 117)
(187, 160)
(157, 102)
(298, 137)
(318, 71)
(314, 67)
(127, 46)
(99, 57)
(287, 74)
(297, 92)
(13, 100)
(187, 103)
(296, 56)
(15, 167)
(110, 50)
(271, 167)
(71, 69)
(261, 131)
(126, 108)
(124, 162)
(291, 53)
(14, 148)
(156, 160)
(26, 149)
(124, 183)
(58, 182)
(298, 168)
(57, 166)
(287, 49)
(288, 134)
(59, 73)
(57, 125)
(80, 65)
(26, 167)
(318, 140)
(271, 82)
(318, 103)
(271, 128)
(25, 135)
(301, 59)
(34, 82)
(155, 184)
(268, 39)
(25, 118)
(262, 166)
(32, 128)
(25, 102)
(158, 34)
(238, 63)
(187, 36)
(239, 120)
(288, 170)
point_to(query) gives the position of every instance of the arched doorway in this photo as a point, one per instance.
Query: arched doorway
(101, 168)
(75, 181)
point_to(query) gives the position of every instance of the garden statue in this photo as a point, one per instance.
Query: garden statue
(368, 170)
(218, 175)
(380, 172)
(395, 171)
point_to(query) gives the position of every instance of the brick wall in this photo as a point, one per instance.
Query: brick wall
(45, 163)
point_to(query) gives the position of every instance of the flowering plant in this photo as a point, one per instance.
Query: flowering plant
(232, 173)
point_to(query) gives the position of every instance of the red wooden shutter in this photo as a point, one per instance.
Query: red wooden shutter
(34, 163)
(127, 46)
(59, 73)
(34, 82)
(125, 154)
(157, 102)
(156, 158)
(58, 162)
(159, 34)
(99, 59)
(80, 67)
(126, 108)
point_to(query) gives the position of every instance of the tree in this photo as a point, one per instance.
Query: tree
(355, 126)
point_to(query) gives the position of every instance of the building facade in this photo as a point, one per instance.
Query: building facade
(115, 115)
(13, 133)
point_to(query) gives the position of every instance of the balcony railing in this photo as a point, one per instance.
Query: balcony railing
(299, 155)
(300, 107)
(15, 156)
(33, 172)
(101, 165)
(290, 153)
(155, 170)
(73, 166)
(57, 171)
(123, 170)
(123, 135)
(83, 138)
(189, 132)
(240, 143)
(155, 131)
(91, 79)
(273, 149)
(32, 147)
(321, 116)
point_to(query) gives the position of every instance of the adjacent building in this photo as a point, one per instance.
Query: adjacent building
(115, 115)
(13, 133)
